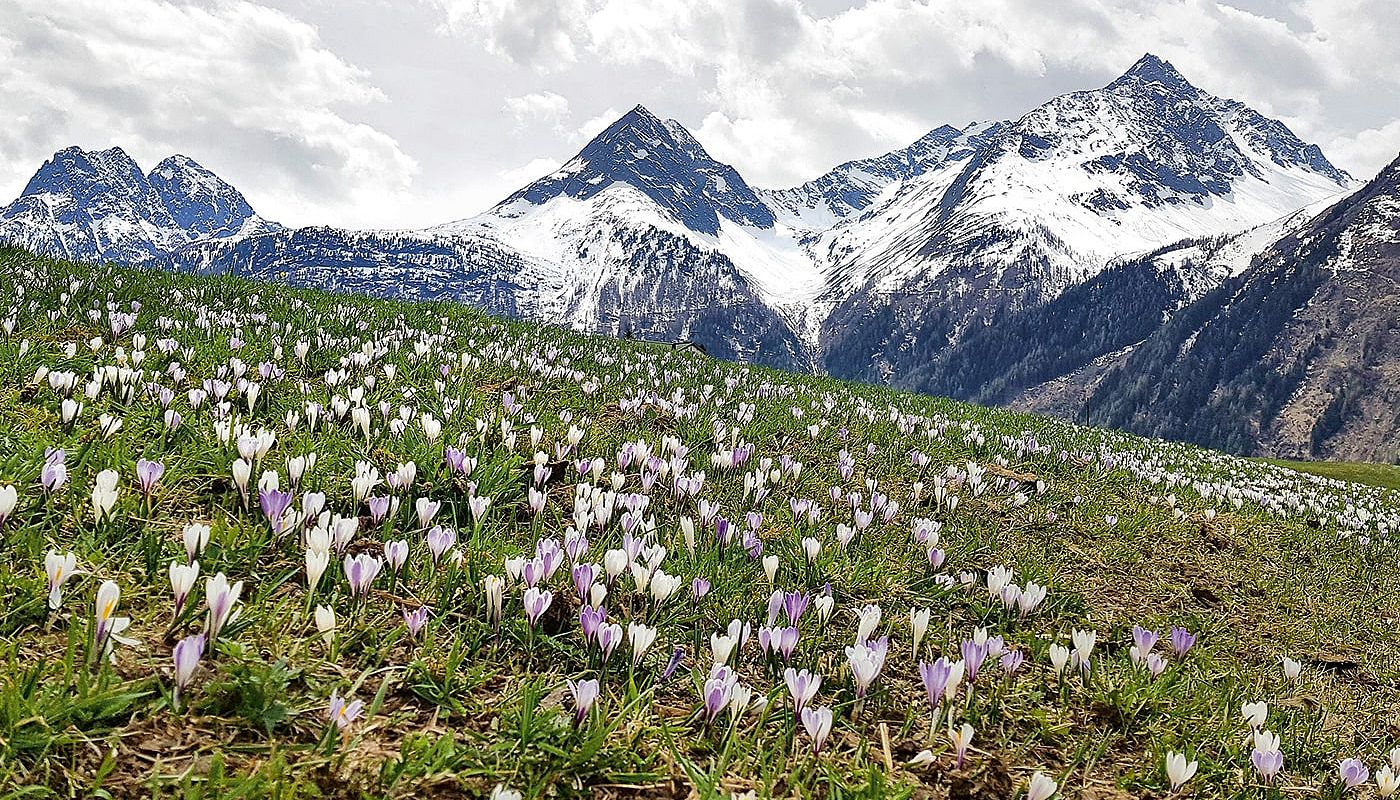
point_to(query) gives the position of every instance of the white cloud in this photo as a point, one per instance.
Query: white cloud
(547, 108)
(592, 127)
(535, 33)
(250, 91)
(1368, 150)
(526, 173)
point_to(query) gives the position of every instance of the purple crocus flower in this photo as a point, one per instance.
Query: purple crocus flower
(188, 652)
(533, 571)
(1156, 665)
(536, 603)
(671, 666)
(1144, 640)
(456, 460)
(786, 641)
(794, 605)
(768, 640)
(724, 531)
(1268, 763)
(148, 474)
(378, 509)
(584, 575)
(55, 472)
(1353, 772)
(609, 636)
(591, 620)
(973, 655)
(416, 619)
(360, 571)
(440, 540)
(1011, 661)
(753, 544)
(274, 504)
(935, 677)
(803, 686)
(817, 722)
(699, 588)
(220, 596)
(584, 693)
(550, 555)
(775, 606)
(575, 546)
(1182, 641)
(717, 691)
(343, 713)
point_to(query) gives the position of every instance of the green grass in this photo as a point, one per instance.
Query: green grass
(1260, 561)
(1385, 476)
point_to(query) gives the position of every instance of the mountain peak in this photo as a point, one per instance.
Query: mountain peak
(1152, 69)
(663, 160)
(202, 203)
(178, 161)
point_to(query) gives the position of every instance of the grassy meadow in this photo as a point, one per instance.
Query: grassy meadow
(445, 555)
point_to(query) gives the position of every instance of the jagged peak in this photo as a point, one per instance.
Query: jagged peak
(179, 164)
(181, 161)
(74, 162)
(74, 154)
(1152, 69)
(642, 112)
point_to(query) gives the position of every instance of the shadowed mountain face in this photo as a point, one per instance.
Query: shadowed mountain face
(1296, 356)
(857, 185)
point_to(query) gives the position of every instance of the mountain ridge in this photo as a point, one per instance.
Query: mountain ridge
(908, 268)
(99, 205)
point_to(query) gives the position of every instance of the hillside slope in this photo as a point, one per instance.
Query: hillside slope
(450, 555)
(1294, 357)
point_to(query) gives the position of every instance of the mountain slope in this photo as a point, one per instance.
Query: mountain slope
(1294, 357)
(1047, 203)
(98, 205)
(1043, 357)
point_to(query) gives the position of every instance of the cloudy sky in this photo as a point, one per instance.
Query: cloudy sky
(404, 113)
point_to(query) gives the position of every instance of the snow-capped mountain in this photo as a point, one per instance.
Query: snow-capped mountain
(98, 205)
(990, 261)
(201, 203)
(1047, 358)
(855, 186)
(642, 233)
(1047, 203)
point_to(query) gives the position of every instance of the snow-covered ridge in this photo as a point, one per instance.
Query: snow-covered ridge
(1055, 196)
